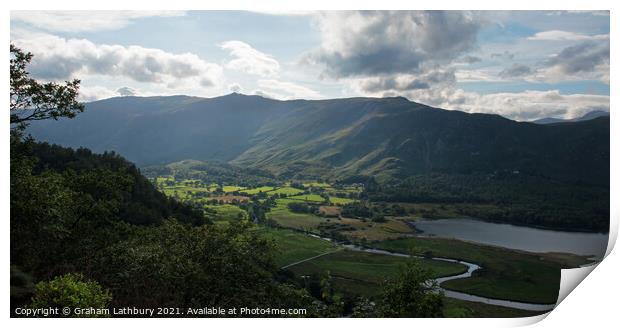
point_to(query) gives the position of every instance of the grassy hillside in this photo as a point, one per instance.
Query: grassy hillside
(362, 273)
(386, 137)
(554, 175)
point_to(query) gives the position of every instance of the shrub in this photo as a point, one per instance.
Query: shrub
(298, 207)
(71, 290)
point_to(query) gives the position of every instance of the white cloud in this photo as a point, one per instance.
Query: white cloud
(286, 90)
(126, 91)
(417, 55)
(516, 71)
(57, 58)
(477, 75)
(591, 12)
(84, 21)
(265, 94)
(580, 61)
(525, 106)
(286, 12)
(250, 60)
(373, 43)
(585, 60)
(395, 83)
(234, 87)
(95, 93)
(557, 35)
(531, 105)
(522, 106)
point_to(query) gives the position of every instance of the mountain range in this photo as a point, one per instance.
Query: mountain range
(387, 138)
(588, 116)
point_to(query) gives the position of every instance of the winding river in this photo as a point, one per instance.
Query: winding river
(471, 267)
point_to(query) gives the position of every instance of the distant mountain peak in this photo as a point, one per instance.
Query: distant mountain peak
(238, 94)
(594, 114)
(588, 116)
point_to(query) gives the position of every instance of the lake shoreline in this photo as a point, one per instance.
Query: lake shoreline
(533, 226)
(513, 237)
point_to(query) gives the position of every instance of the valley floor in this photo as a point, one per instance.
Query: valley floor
(505, 274)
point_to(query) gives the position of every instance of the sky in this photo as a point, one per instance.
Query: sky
(523, 65)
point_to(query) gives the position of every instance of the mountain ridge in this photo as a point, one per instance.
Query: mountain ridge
(586, 117)
(389, 138)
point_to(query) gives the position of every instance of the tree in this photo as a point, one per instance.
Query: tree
(364, 308)
(42, 209)
(71, 290)
(178, 265)
(413, 294)
(32, 100)
(298, 207)
(378, 217)
(332, 300)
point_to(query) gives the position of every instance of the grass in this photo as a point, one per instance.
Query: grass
(229, 198)
(293, 246)
(317, 184)
(453, 308)
(353, 189)
(287, 219)
(330, 211)
(289, 191)
(345, 189)
(341, 201)
(361, 273)
(373, 231)
(184, 192)
(506, 274)
(312, 198)
(227, 212)
(363, 231)
(162, 179)
(255, 191)
(185, 189)
(231, 188)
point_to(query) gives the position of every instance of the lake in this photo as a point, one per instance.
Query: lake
(516, 237)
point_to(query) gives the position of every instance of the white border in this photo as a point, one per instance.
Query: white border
(593, 302)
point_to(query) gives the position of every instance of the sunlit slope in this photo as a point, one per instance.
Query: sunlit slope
(384, 137)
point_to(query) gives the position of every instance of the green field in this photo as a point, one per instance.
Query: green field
(255, 191)
(313, 198)
(361, 273)
(341, 201)
(231, 188)
(373, 231)
(163, 179)
(453, 308)
(184, 192)
(506, 274)
(287, 219)
(317, 184)
(289, 191)
(294, 246)
(227, 212)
